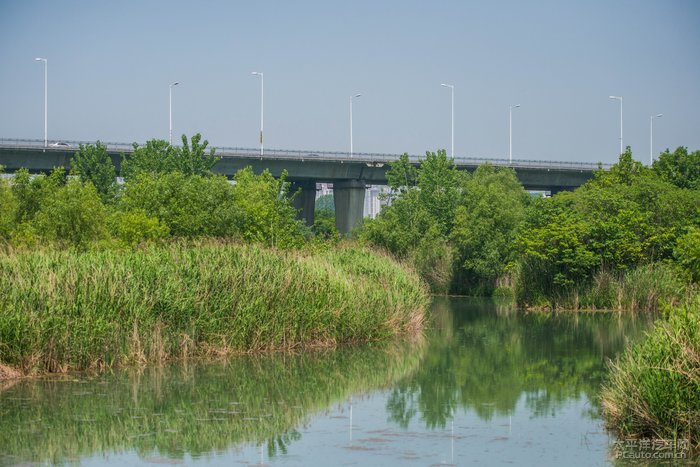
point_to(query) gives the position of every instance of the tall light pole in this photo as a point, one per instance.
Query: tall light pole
(452, 89)
(619, 98)
(351, 99)
(46, 99)
(510, 132)
(651, 137)
(170, 109)
(262, 106)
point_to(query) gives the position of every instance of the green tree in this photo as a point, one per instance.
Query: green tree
(75, 214)
(487, 220)
(92, 163)
(192, 158)
(554, 255)
(325, 203)
(438, 184)
(688, 252)
(401, 176)
(158, 156)
(267, 213)
(190, 206)
(679, 167)
(31, 192)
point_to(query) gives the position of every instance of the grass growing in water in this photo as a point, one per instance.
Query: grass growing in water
(68, 310)
(654, 387)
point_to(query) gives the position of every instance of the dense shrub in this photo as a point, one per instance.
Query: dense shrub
(74, 215)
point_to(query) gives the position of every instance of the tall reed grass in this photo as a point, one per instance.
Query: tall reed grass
(62, 310)
(653, 390)
(646, 288)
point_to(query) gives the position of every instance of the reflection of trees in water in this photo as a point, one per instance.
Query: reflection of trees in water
(485, 357)
(190, 409)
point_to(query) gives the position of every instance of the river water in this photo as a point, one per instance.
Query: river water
(486, 385)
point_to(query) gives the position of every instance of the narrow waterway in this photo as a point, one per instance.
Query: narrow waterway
(485, 385)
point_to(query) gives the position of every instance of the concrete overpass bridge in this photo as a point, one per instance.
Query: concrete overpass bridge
(350, 175)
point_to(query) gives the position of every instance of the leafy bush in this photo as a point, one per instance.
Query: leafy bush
(135, 226)
(266, 212)
(158, 156)
(190, 206)
(92, 164)
(687, 252)
(75, 215)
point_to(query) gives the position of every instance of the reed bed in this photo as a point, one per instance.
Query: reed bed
(67, 310)
(653, 390)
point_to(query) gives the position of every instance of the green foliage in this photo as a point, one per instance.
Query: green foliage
(433, 259)
(400, 226)
(401, 176)
(554, 255)
(63, 310)
(190, 206)
(266, 212)
(623, 219)
(325, 203)
(31, 192)
(486, 223)
(679, 167)
(458, 230)
(74, 215)
(687, 252)
(653, 388)
(158, 156)
(135, 227)
(8, 208)
(438, 189)
(324, 225)
(92, 163)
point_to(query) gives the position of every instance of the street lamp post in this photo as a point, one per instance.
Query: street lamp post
(452, 90)
(262, 106)
(619, 98)
(46, 99)
(170, 110)
(351, 99)
(510, 132)
(651, 137)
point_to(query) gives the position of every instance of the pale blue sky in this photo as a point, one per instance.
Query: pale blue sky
(110, 63)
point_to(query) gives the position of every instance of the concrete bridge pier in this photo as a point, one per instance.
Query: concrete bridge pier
(305, 200)
(349, 200)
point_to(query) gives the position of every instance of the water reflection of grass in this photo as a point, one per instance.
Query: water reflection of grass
(193, 409)
(484, 357)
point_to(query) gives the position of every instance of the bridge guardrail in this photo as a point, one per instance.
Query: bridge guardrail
(361, 157)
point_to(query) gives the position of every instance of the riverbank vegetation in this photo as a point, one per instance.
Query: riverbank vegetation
(625, 240)
(63, 310)
(178, 262)
(653, 388)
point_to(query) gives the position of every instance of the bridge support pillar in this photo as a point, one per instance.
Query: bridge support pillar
(305, 200)
(349, 200)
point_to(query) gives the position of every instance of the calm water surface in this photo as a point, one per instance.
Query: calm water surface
(486, 385)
